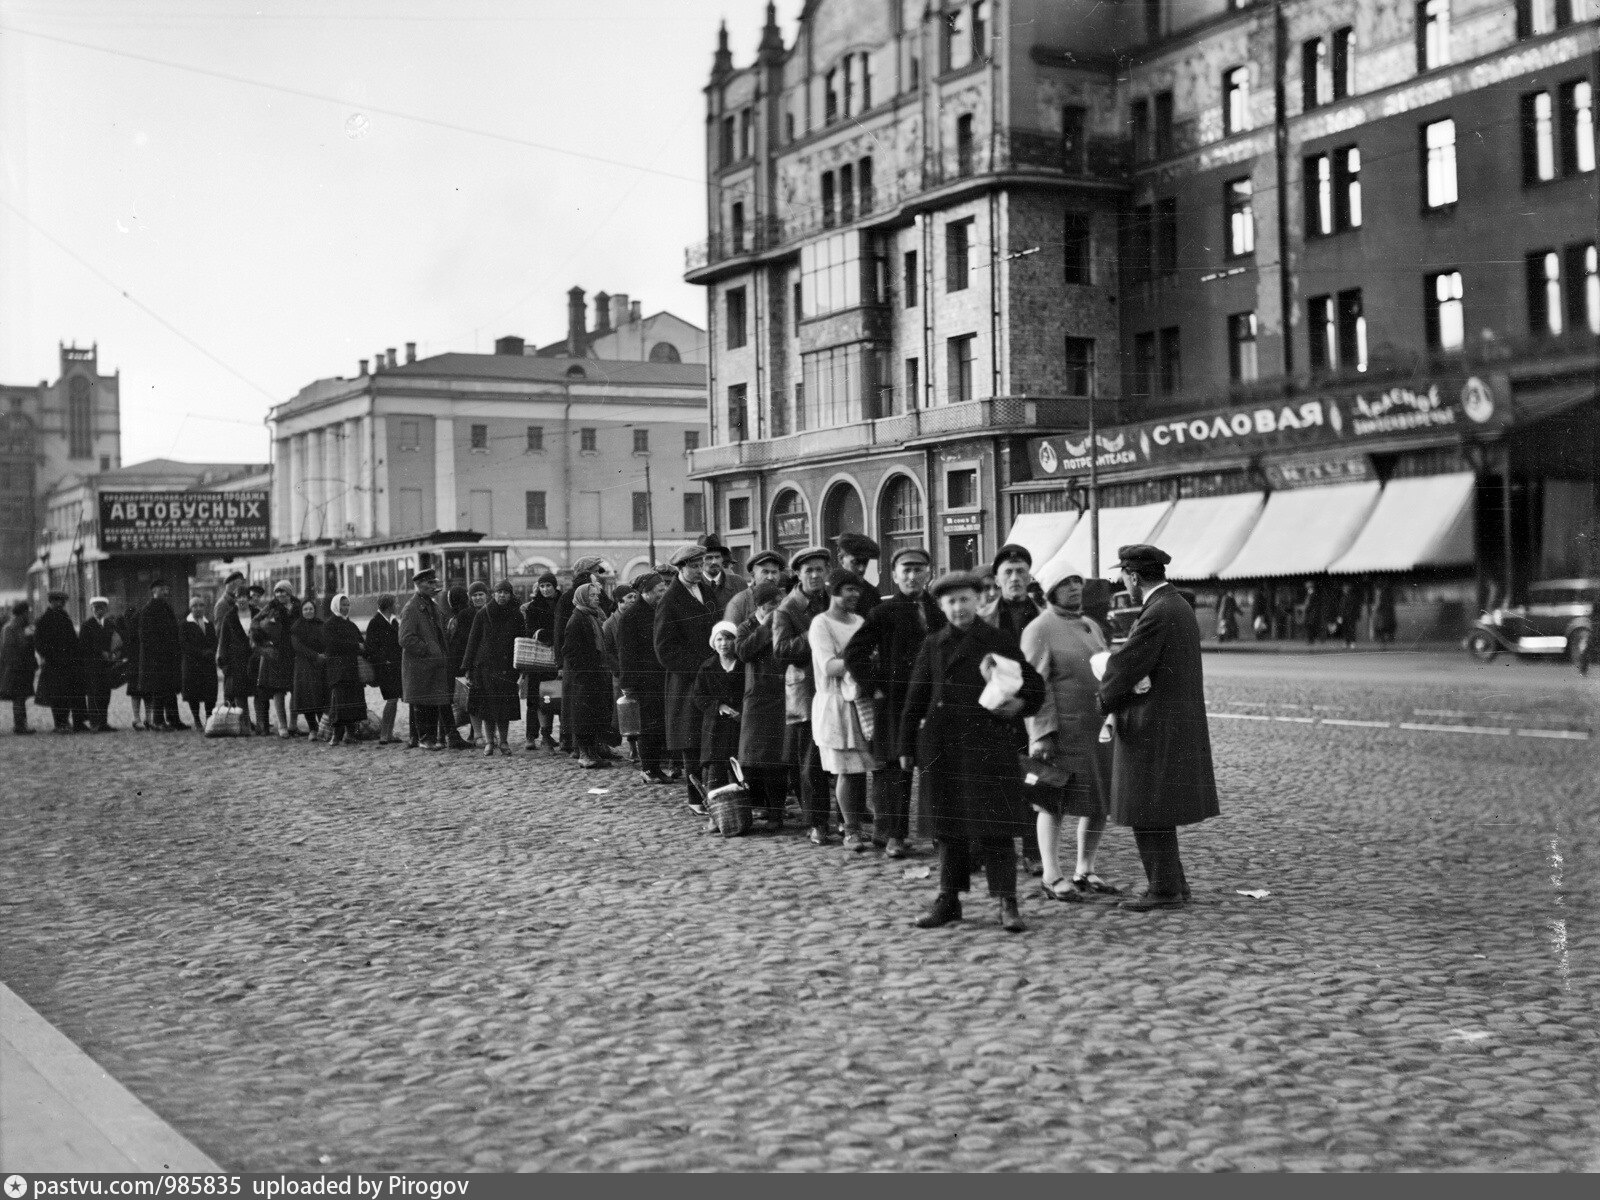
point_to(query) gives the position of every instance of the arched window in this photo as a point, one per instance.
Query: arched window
(664, 352)
(842, 512)
(80, 419)
(900, 517)
(791, 524)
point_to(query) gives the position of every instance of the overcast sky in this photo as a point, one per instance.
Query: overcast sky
(276, 234)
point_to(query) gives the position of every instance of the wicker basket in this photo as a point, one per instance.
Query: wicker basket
(730, 809)
(530, 652)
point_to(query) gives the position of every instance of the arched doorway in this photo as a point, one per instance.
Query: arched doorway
(842, 512)
(901, 521)
(791, 523)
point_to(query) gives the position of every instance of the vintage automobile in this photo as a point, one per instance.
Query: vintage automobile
(1558, 618)
(1125, 611)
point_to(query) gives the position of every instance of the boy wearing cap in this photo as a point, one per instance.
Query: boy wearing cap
(1161, 774)
(762, 715)
(880, 658)
(642, 675)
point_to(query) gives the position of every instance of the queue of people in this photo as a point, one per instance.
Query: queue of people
(976, 708)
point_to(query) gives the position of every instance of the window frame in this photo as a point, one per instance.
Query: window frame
(1433, 35)
(641, 441)
(961, 357)
(1244, 354)
(1446, 150)
(1236, 87)
(1233, 230)
(735, 332)
(958, 254)
(1077, 247)
(1084, 365)
(1435, 311)
(535, 504)
(478, 438)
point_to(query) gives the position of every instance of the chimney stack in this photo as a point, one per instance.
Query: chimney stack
(389, 359)
(635, 311)
(411, 352)
(602, 313)
(377, 362)
(619, 310)
(363, 367)
(510, 345)
(577, 320)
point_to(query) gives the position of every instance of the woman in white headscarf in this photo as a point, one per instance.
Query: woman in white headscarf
(719, 696)
(587, 673)
(347, 698)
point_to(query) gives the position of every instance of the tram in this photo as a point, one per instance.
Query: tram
(366, 570)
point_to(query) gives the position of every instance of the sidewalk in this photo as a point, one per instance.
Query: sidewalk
(60, 1111)
(1288, 646)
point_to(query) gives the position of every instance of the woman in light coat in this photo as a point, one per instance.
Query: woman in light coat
(844, 745)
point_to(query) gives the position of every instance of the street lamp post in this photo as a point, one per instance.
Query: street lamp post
(1094, 491)
(650, 513)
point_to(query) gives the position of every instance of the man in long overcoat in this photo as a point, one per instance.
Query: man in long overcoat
(791, 645)
(880, 657)
(425, 681)
(967, 750)
(763, 716)
(682, 634)
(97, 655)
(161, 657)
(724, 585)
(643, 677)
(1161, 774)
(60, 672)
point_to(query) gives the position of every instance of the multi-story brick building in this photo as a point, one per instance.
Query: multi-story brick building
(936, 227)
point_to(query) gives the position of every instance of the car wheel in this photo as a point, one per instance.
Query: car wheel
(1482, 647)
(1578, 650)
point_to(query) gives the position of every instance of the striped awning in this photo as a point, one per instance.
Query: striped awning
(1422, 522)
(1301, 531)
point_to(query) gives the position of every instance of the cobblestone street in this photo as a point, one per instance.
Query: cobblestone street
(318, 959)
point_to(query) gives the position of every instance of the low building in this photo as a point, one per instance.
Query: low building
(621, 331)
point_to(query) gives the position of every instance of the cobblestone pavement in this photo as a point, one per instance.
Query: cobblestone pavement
(374, 959)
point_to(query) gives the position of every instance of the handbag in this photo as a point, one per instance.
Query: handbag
(225, 722)
(1038, 773)
(529, 652)
(729, 805)
(796, 695)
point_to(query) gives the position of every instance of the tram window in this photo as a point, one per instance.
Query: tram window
(455, 568)
(499, 564)
(423, 562)
(479, 560)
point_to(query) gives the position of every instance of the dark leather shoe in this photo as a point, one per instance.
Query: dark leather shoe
(1010, 918)
(1147, 902)
(945, 909)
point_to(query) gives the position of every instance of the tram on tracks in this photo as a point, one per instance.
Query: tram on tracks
(366, 570)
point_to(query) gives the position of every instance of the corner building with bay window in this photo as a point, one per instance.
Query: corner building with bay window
(939, 231)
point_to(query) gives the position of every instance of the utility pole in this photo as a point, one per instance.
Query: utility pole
(1094, 489)
(650, 512)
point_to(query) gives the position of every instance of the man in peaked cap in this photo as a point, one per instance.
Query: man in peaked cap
(856, 553)
(765, 567)
(1013, 571)
(1161, 774)
(682, 633)
(724, 584)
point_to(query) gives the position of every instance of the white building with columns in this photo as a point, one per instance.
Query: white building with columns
(562, 457)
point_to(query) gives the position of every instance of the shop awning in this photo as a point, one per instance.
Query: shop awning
(1042, 533)
(1300, 532)
(1421, 522)
(1118, 527)
(1204, 534)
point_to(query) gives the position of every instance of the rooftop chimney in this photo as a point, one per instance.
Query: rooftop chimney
(389, 359)
(377, 362)
(619, 310)
(634, 313)
(411, 352)
(602, 313)
(510, 345)
(577, 319)
(363, 367)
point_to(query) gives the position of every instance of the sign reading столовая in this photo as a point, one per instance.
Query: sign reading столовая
(184, 521)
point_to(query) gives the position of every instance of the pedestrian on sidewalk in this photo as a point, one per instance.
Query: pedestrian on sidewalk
(791, 645)
(343, 649)
(234, 655)
(425, 663)
(128, 625)
(381, 645)
(274, 652)
(198, 637)
(967, 750)
(643, 678)
(491, 660)
(1352, 600)
(587, 675)
(1066, 732)
(161, 657)
(682, 631)
(18, 665)
(98, 644)
(465, 605)
(310, 667)
(60, 687)
(761, 709)
(1161, 762)
(1384, 622)
(539, 618)
(843, 746)
(719, 697)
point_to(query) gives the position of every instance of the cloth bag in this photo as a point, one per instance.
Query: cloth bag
(459, 709)
(1004, 681)
(225, 722)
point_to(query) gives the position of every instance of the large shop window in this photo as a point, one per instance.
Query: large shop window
(900, 519)
(837, 385)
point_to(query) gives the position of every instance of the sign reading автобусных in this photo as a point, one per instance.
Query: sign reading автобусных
(1293, 424)
(178, 522)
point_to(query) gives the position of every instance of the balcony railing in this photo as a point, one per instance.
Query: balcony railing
(1100, 160)
(998, 414)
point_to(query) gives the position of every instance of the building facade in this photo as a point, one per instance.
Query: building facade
(48, 432)
(938, 230)
(562, 457)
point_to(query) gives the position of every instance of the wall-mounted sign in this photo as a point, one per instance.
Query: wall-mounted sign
(1346, 418)
(184, 522)
(963, 522)
(793, 527)
(1289, 473)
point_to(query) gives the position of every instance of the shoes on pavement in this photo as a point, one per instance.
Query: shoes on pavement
(1010, 918)
(1093, 883)
(24, 730)
(488, 750)
(946, 908)
(588, 762)
(430, 744)
(818, 836)
(1032, 866)
(856, 843)
(1061, 889)
(1147, 902)
(894, 848)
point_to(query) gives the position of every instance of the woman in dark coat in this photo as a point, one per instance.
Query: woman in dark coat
(539, 618)
(17, 665)
(269, 637)
(761, 715)
(968, 752)
(128, 626)
(491, 662)
(643, 677)
(586, 676)
(458, 632)
(310, 662)
(344, 649)
(383, 652)
(198, 637)
(718, 696)
(234, 656)
(160, 658)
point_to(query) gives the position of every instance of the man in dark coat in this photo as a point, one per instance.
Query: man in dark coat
(381, 645)
(879, 658)
(682, 635)
(586, 570)
(766, 567)
(762, 718)
(967, 749)
(643, 677)
(60, 673)
(856, 553)
(425, 663)
(97, 657)
(1013, 611)
(1161, 775)
(161, 657)
(714, 573)
(791, 645)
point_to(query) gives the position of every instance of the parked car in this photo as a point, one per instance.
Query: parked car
(1125, 611)
(1558, 618)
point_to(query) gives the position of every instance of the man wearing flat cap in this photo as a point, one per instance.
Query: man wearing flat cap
(60, 671)
(766, 567)
(1014, 608)
(683, 621)
(425, 663)
(879, 658)
(161, 657)
(714, 573)
(1161, 775)
(791, 646)
(856, 553)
